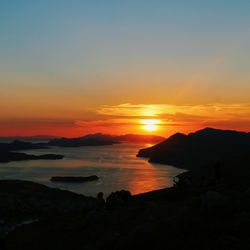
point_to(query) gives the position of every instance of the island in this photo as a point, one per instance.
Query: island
(21, 145)
(7, 154)
(14, 156)
(87, 140)
(100, 139)
(74, 179)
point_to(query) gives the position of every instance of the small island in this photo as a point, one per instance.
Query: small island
(7, 154)
(74, 179)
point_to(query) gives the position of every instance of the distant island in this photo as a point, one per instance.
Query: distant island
(7, 154)
(14, 156)
(21, 145)
(99, 139)
(87, 140)
(7, 148)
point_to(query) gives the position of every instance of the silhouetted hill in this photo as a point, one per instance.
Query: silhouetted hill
(99, 139)
(180, 218)
(26, 199)
(201, 148)
(88, 140)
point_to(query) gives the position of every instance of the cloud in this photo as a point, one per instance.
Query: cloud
(102, 123)
(124, 118)
(214, 115)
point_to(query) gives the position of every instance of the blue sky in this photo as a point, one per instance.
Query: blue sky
(66, 39)
(87, 53)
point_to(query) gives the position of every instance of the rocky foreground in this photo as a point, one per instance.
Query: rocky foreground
(202, 217)
(26, 200)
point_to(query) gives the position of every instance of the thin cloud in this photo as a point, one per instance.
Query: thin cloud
(214, 115)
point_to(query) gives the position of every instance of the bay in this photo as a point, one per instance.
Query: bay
(116, 166)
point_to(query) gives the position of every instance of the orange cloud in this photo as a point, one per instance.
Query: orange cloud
(126, 118)
(173, 117)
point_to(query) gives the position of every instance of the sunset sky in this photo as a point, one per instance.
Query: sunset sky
(72, 67)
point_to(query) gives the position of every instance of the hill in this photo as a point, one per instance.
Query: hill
(201, 148)
(100, 139)
(87, 140)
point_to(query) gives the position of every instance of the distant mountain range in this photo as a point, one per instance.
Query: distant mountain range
(88, 140)
(102, 139)
(198, 149)
(7, 148)
(94, 137)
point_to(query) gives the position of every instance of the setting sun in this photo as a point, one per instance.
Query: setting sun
(150, 125)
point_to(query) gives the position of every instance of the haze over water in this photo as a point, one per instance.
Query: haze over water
(117, 166)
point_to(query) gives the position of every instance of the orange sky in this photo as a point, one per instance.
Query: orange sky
(70, 68)
(126, 118)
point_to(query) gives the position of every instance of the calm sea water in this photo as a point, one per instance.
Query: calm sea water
(116, 165)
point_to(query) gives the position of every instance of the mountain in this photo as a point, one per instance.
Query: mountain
(88, 140)
(201, 148)
(99, 139)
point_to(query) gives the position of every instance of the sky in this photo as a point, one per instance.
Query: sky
(70, 68)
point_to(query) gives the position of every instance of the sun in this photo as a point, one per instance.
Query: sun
(150, 125)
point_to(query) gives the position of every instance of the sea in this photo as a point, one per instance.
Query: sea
(116, 166)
